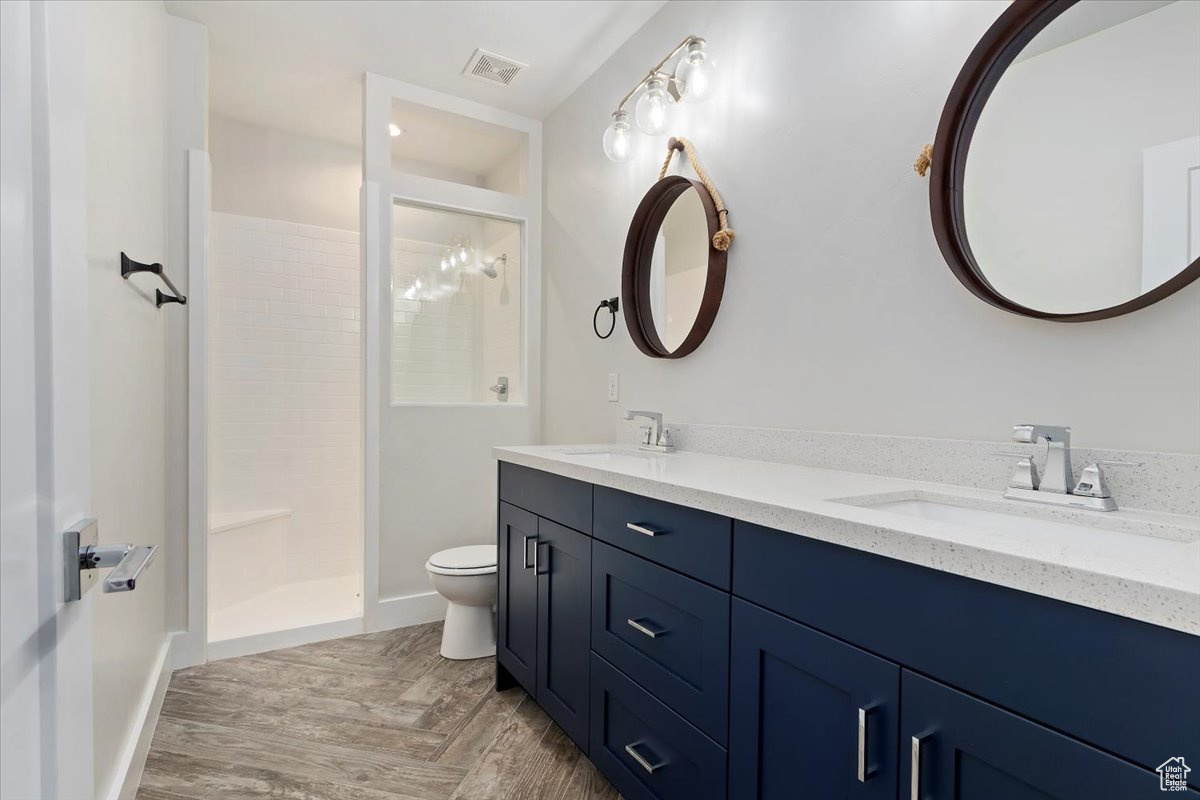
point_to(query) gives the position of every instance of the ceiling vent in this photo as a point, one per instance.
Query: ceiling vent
(493, 68)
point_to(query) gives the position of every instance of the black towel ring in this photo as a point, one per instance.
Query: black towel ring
(612, 305)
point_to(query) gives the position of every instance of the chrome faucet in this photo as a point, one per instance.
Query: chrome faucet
(658, 438)
(1058, 477)
(1055, 488)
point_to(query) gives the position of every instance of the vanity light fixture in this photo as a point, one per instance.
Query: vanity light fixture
(692, 81)
(394, 130)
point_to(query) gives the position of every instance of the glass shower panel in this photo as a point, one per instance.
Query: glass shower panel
(457, 329)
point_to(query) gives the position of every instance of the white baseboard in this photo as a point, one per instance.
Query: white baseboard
(276, 640)
(413, 609)
(137, 743)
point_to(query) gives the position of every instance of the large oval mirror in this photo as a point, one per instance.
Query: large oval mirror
(1066, 181)
(673, 277)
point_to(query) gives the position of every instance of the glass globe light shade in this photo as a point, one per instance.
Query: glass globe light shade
(464, 251)
(653, 107)
(447, 259)
(695, 72)
(618, 138)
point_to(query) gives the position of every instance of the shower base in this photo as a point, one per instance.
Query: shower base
(292, 605)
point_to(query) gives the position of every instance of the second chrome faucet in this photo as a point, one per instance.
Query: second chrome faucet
(1058, 485)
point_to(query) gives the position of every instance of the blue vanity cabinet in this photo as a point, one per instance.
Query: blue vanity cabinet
(956, 747)
(517, 596)
(810, 716)
(564, 567)
(694, 656)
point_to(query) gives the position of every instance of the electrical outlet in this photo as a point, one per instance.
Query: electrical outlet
(614, 387)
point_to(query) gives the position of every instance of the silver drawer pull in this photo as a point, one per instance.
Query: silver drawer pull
(864, 772)
(642, 529)
(640, 628)
(915, 765)
(642, 762)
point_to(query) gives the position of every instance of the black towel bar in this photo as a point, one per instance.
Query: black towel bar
(129, 267)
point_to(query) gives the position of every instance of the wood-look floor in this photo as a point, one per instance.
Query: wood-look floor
(374, 717)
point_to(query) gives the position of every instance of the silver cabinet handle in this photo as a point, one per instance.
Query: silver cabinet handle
(915, 763)
(525, 553)
(642, 529)
(640, 628)
(537, 547)
(642, 762)
(864, 714)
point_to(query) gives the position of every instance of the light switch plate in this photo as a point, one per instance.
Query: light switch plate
(614, 387)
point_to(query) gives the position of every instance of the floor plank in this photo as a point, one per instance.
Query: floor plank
(324, 761)
(376, 717)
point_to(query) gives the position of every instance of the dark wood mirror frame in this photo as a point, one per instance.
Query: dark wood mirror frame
(996, 51)
(639, 255)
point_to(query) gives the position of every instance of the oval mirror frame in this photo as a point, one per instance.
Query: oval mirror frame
(636, 268)
(1010, 33)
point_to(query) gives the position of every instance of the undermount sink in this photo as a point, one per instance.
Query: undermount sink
(610, 455)
(1095, 531)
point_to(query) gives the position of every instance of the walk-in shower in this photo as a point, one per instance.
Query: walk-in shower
(285, 374)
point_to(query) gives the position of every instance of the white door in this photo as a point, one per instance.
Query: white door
(46, 734)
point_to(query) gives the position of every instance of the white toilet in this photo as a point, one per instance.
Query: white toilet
(466, 577)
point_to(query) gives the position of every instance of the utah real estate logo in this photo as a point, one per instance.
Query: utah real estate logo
(1172, 775)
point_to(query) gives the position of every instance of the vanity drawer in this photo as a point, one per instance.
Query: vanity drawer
(696, 543)
(667, 632)
(563, 500)
(646, 750)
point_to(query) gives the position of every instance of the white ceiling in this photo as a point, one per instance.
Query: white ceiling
(298, 66)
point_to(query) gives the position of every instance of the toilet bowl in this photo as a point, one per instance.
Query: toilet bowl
(466, 577)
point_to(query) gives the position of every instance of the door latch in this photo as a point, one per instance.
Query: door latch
(83, 556)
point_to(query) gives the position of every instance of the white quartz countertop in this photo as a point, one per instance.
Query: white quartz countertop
(1138, 564)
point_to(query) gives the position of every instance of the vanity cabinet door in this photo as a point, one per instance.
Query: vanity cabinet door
(564, 591)
(516, 604)
(955, 747)
(809, 715)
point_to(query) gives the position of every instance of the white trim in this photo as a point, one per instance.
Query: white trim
(427, 404)
(137, 741)
(371, 321)
(413, 609)
(192, 649)
(277, 640)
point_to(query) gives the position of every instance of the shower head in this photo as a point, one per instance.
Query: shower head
(489, 264)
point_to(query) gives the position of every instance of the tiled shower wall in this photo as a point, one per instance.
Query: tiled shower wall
(433, 341)
(501, 309)
(284, 393)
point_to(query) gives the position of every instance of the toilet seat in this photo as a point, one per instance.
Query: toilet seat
(478, 559)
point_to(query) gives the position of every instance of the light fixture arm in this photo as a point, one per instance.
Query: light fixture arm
(656, 71)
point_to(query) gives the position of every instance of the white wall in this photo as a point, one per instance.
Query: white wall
(125, 206)
(839, 312)
(284, 385)
(1062, 139)
(273, 174)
